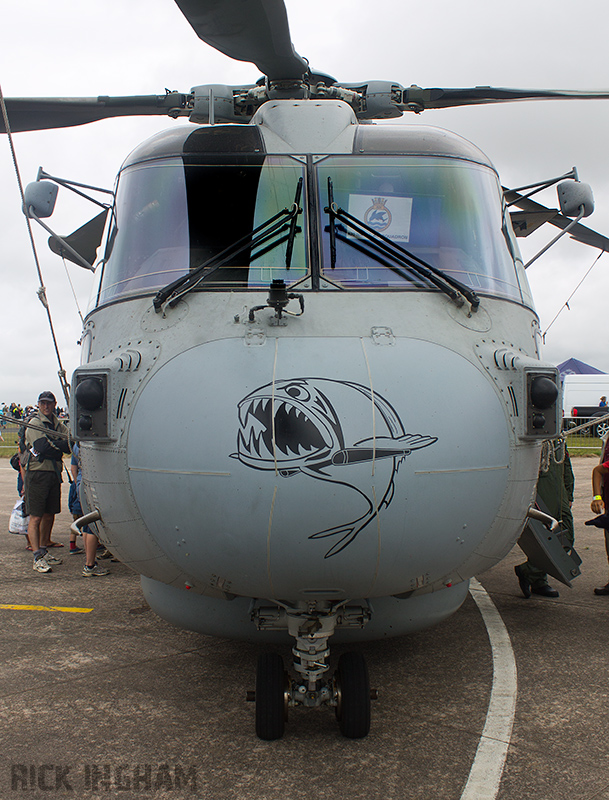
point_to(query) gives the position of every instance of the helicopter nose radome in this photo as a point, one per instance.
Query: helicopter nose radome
(290, 468)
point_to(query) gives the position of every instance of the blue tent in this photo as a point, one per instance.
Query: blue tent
(572, 366)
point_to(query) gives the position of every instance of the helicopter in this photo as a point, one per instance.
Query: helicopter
(297, 282)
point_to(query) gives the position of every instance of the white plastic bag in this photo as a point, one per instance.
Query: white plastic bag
(18, 522)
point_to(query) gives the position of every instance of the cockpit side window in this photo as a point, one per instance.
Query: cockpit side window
(148, 242)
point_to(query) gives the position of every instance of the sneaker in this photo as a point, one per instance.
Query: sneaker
(95, 571)
(40, 565)
(75, 551)
(53, 559)
(104, 553)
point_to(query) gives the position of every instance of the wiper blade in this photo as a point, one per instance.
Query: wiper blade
(170, 294)
(331, 205)
(374, 251)
(446, 283)
(292, 234)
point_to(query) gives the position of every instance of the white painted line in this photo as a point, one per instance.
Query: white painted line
(487, 768)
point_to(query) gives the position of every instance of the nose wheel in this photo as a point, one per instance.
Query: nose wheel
(311, 624)
(272, 695)
(348, 691)
(352, 689)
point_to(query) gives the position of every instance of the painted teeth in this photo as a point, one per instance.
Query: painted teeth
(296, 435)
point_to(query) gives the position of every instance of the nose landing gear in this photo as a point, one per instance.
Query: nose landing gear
(348, 689)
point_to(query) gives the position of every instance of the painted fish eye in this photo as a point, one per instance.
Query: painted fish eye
(297, 392)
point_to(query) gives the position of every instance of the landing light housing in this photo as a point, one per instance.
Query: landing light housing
(90, 405)
(543, 407)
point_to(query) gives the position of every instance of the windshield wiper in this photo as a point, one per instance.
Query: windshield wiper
(293, 228)
(331, 205)
(170, 294)
(446, 283)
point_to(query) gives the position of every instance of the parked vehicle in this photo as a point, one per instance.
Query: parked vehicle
(581, 401)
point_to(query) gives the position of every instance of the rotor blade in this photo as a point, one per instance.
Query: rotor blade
(33, 113)
(417, 99)
(248, 30)
(578, 232)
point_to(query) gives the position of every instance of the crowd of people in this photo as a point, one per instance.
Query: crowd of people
(44, 440)
(18, 412)
(15, 410)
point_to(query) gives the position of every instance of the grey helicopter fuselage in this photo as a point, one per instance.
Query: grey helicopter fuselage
(376, 450)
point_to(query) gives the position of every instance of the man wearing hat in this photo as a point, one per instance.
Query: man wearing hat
(43, 470)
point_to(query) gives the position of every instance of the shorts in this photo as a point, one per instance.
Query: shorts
(42, 492)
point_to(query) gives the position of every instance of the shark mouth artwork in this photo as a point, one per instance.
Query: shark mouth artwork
(293, 427)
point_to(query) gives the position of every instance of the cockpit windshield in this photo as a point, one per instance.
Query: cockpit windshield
(230, 222)
(445, 211)
(172, 217)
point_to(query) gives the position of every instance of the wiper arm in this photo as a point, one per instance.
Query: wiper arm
(170, 294)
(292, 234)
(446, 283)
(331, 205)
(374, 251)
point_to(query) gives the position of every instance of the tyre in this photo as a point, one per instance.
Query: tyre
(271, 697)
(602, 429)
(353, 689)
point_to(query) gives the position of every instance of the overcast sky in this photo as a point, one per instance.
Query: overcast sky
(65, 48)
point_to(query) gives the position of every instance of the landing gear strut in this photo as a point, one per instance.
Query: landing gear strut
(348, 690)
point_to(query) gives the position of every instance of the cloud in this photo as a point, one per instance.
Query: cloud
(86, 49)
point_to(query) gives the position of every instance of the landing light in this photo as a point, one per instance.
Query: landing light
(90, 394)
(543, 392)
(543, 409)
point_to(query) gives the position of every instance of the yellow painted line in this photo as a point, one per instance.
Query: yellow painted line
(66, 609)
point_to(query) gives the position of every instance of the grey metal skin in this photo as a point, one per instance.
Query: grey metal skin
(235, 543)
